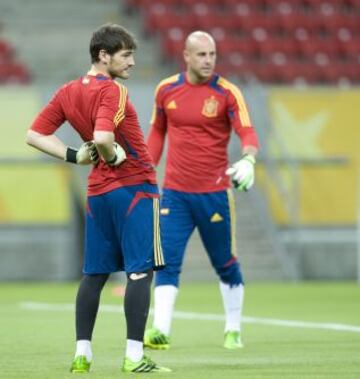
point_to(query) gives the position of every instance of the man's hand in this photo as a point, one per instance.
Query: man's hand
(119, 156)
(242, 173)
(86, 154)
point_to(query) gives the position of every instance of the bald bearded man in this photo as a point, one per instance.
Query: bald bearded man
(198, 110)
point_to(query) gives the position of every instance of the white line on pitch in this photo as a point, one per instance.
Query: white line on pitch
(203, 317)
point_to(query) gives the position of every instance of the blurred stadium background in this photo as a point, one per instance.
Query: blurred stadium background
(298, 64)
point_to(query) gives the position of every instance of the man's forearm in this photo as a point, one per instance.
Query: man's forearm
(105, 144)
(49, 144)
(155, 142)
(251, 150)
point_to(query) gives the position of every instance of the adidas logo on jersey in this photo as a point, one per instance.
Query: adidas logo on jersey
(216, 217)
(171, 105)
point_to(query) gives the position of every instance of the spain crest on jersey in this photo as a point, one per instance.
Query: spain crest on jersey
(210, 107)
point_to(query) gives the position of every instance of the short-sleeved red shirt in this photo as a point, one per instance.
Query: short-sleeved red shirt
(98, 103)
(198, 119)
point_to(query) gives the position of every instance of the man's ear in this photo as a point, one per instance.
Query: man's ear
(186, 56)
(103, 56)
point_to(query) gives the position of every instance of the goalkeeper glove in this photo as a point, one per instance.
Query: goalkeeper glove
(242, 173)
(86, 154)
(119, 156)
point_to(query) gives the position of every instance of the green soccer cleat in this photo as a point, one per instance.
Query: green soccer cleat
(80, 365)
(233, 340)
(144, 365)
(154, 339)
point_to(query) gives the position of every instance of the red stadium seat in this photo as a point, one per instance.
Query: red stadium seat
(267, 22)
(265, 72)
(207, 18)
(235, 44)
(351, 49)
(294, 72)
(336, 73)
(311, 47)
(271, 40)
(270, 45)
(253, 5)
(309, 22)
(159, 18)
(191, 3)
(6, 51)
(173, 43)
(14, 73)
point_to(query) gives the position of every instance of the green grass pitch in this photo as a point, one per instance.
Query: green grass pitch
(39, 343)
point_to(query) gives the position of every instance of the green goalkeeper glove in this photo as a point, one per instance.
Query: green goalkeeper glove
(86, 154)
(119, 156)
(242, 173)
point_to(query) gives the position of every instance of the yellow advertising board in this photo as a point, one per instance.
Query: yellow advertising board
(30, 193)
(314, 126)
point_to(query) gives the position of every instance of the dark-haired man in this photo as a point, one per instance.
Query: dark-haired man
(122, 212)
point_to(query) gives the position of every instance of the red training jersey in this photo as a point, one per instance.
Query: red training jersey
(198, 120)
(98, 103)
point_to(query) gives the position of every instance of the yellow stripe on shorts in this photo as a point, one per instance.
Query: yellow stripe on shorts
(231, 202)
(158, 254)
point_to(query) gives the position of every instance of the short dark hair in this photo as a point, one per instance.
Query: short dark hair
(111, 38)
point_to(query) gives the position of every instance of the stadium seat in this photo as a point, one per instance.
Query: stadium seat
(159, 18)
(328, 46)
(270, 45)
(265, 72)
(245, 46)
(351, 49)
(14, 73)
(208, 3)
(267, 22)
(173, 43)
(271, 40)
(6, 51)
(294, 72)
(292, 22)
(205, 18)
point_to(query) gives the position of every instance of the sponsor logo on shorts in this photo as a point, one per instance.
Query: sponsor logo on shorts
(135, 276)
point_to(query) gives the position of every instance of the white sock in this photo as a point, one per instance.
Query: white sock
(233, 298)
(134, 350)
(164, 302)
(83, 347)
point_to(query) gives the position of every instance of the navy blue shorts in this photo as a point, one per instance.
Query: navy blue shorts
(213, 214)
(122, 231)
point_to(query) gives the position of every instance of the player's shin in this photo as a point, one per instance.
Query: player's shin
(158, 337)
(87, 305)
(136, 306)
(233, 297)
(164, 303)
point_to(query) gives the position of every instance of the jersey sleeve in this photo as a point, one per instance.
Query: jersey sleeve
(158, 127)
(51, 117)
(239, 118)
(112, 107)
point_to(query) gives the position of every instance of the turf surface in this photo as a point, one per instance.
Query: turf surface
(39, 343)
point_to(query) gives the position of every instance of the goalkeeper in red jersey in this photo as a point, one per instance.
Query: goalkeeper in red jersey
(198, 109)
(122, 215)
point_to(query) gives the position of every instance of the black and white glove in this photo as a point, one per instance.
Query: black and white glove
(119, 156)
(242, 173)
(87, 154)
